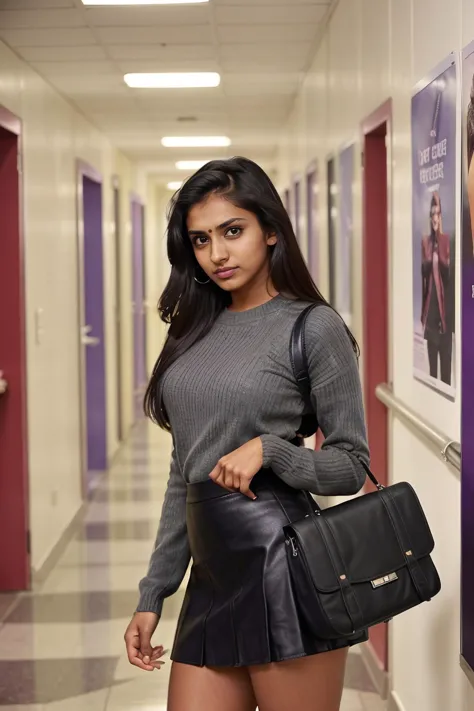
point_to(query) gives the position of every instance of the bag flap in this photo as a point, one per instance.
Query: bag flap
(362, 532)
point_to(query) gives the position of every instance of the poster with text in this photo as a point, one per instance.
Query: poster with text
(467, 380)
(433, 124)
(344, 260)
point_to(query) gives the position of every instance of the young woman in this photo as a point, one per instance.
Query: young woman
(224, 387)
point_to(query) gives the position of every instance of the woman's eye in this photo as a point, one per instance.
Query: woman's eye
(199, 241)
(233, 231)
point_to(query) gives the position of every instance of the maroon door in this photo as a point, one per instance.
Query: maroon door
(376, 332)
(14, 538)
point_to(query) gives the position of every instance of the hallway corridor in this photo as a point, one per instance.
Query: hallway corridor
(61, 647)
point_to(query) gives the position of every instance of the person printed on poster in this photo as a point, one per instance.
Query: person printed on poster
(435, 272)
(469, 245)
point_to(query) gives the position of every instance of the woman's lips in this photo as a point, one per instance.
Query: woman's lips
(226, 273)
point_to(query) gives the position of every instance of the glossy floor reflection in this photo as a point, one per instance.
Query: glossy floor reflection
(61, 647)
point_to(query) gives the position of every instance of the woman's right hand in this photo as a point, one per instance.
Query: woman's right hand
(138, 642)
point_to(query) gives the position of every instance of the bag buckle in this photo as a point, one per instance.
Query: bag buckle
(378, 582)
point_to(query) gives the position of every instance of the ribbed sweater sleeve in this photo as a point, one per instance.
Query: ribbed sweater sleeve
(337, 399)
(170, 557)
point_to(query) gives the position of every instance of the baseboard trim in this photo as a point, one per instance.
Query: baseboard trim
(39, 575)
(394, 703)
(378, 675)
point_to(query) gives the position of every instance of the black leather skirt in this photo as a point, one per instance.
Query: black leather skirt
(239, 608)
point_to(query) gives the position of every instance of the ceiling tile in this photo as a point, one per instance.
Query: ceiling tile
(268, 50)
(47, 38)
(238, 58)
(255, 14)
(148, 16)
(87, 87)
(172, 65)
(186, 34)
(168, 53)
(35, 4)
(18, 19)
(62, 54)
(266, 33)
(76, 69)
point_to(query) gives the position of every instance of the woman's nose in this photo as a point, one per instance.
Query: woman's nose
(219, 251)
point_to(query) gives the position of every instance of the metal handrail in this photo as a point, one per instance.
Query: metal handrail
(449, 449)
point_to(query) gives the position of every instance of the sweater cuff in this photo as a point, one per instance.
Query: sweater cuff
(278, 454)
(150, 602)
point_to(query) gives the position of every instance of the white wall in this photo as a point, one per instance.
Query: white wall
(373, 50)
(54, 136)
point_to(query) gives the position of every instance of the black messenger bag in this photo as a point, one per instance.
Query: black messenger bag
(361, 562)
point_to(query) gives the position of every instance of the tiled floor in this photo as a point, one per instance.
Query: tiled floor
(61, 647)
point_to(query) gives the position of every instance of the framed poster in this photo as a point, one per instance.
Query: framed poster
(312, 189)
(344, 259)
(467, 380)
(433, 114)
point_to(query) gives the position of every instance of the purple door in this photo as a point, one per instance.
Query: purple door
(139, 315)
(93, 330)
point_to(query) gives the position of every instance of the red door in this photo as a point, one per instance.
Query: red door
(376, 133)
(14, 549)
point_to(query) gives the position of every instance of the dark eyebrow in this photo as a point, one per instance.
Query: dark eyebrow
(225, 224)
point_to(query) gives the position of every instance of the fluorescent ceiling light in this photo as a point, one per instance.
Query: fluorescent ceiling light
(176, 80)
(174, 186)
(142, 2)
(190, 164)
(195, 141)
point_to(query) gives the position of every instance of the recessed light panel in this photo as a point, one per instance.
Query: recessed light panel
(195, 141)
(176, 80)
(97, 3)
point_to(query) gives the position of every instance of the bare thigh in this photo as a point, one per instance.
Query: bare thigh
(311, 683)
(204, 689)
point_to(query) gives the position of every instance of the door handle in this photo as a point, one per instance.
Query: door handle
(87, 340)
(3, 384)
(90, 341)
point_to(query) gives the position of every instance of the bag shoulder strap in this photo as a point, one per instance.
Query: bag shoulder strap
(299, 363)
(298, 358)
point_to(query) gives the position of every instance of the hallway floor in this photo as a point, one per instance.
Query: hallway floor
(61, 646)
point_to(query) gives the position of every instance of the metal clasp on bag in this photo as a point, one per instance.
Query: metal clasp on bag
(378, 582)
(291, 542)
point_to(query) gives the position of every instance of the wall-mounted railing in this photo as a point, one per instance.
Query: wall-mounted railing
(449, 449)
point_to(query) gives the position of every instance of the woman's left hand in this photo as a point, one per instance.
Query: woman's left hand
(236, 470)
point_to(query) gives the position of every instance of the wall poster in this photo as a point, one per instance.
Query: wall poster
(467, 405)
(433, 115)
(344, 260)
(312, 189)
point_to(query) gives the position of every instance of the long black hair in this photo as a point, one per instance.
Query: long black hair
(190, 308)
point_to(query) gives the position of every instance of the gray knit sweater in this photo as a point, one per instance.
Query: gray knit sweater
(236, 384)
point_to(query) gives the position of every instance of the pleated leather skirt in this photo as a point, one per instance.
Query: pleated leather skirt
(239, 608)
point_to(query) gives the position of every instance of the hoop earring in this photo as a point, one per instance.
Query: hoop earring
(201, 283)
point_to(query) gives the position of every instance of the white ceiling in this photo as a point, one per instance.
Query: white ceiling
(260, 47)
